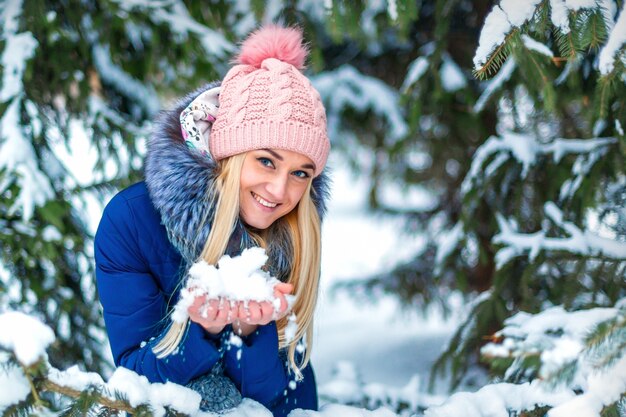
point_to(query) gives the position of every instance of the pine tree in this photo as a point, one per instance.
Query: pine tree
(83, 78)
(518, 134)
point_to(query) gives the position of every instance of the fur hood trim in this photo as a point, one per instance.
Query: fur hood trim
(181, 183)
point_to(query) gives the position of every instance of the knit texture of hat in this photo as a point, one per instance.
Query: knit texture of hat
(266, 102)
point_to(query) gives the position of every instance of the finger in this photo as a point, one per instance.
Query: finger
(282, 305)
(242, 311)
(197, 302)
(267, 312)
(284, 287)
(224, 315)
(233, 313)
(194, 309)
(254, 312)
(212, 308)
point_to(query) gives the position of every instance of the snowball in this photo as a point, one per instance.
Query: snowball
(238, 278)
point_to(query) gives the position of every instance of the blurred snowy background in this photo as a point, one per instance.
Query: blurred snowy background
(385, 342)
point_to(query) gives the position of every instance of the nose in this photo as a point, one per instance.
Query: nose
(277, 187)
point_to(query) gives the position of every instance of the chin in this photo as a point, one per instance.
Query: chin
(258, 224)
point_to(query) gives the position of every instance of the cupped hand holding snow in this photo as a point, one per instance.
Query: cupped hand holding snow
(237, 288)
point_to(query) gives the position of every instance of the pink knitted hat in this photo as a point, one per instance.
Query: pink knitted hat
(266, 102)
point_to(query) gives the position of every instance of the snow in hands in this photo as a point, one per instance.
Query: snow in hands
(234, 279)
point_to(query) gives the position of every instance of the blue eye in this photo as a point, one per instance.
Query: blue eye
(301, 174)
(266, 162)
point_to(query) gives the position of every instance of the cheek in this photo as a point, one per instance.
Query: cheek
(244, 181)
(297, 194)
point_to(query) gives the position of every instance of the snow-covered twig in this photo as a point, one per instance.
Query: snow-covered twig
(175, 14)
(123, 82)
(511, 14)
(560, 339)
(18, 156)
(346, 88)
(494, 84)
(582, 242)
(615, 42)
(447, 241)
(556, 335)
(525, 149)
(504, 17)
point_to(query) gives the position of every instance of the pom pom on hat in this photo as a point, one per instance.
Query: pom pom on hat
(266, 102)
(282, 43)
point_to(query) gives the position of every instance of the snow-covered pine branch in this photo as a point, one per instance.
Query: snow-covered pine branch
(176, 16)
(614, 47)
(506, 16)
(579, 241)
(123, 82)
(526, 149)
(561, 341)
(447, 242)
(509, 15)
(347, 88)
(495, 84)
(18, 156)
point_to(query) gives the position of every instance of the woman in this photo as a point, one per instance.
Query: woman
(234, 166)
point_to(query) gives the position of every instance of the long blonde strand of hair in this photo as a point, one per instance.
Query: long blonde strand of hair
(226, 212)
(304, 224)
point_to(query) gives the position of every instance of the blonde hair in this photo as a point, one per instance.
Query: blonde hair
(303, 226)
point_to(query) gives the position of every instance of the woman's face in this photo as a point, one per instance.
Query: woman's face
(272, 183)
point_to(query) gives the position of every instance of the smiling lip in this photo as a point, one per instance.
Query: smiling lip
(263, 201)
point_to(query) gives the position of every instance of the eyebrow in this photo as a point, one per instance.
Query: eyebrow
(280, 158)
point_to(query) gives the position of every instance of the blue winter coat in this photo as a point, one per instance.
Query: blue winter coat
(148, 236)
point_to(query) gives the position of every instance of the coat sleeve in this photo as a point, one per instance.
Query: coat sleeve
(261, 372)
(134, 306)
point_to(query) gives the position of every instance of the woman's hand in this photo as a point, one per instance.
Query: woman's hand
(258, 313)
(212, 314)
(280, 291)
